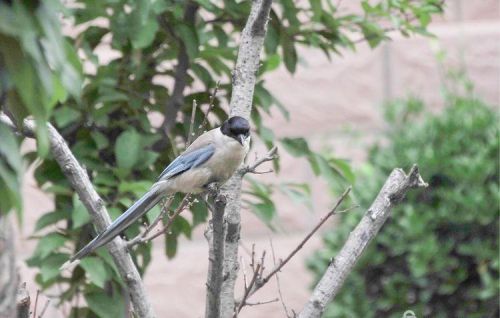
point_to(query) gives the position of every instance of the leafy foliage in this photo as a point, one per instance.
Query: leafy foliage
(10, 171)
(111, 124)
(38, 68)
(438, 254)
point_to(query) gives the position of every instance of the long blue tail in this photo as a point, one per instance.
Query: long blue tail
(141, 206)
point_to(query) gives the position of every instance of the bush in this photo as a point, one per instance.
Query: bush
(438, 254)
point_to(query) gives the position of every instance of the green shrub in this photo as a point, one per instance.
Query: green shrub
(438, 254)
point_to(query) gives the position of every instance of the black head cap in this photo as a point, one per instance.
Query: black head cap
(236, 127)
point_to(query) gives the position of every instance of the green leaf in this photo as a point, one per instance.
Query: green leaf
(80, 214)
(10, 172)
(144, 35)
(265, 212)
(289, 53)
(297, 147)
(49, 268)
(190, 40)
(65, 116)
(298, 193)
(272, 39)
(272, 62)
(316, 9)
(100, 140)
(170, 245)
(372, 33)
(343, 168)
(181, 225)
(327, 171)
(137, 187)
(49, 219)
(105, 306)
(203, 74)
(9, 149)
(48, 244)
(96, 270)
(128, 148)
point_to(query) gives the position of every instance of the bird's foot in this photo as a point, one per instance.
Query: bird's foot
(213, 189)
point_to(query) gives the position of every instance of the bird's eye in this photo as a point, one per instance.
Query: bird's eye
(240, 131)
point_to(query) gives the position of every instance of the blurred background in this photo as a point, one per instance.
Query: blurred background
(429, 100)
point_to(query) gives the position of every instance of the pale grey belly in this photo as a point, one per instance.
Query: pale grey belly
(218, 169)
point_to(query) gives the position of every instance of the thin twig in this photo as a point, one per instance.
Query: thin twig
(247, 290)
(171, 219)
(253, 257)
(308, 236)
(270, 156)
(278, 285)
(244, 269)
(36, 303)
(44, 308)
(259, 278)
(211, 105)
(191, 125)
(141, 237)
(262, 302)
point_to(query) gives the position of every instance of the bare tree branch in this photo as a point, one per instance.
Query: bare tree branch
(35, 306)
(80, 181)
(244, 78)
(278, 285)
(265, 302)
(185, 204)
(270, 156)
(260, 280)
(23, 302)
(191, 125)
(215, 237)
(8, 273)
(141, 237)
(44, 309)
(392, 192)
(211, 105)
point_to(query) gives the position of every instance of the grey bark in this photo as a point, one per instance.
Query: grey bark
(23, 302)
(8, 273)
(80, 182)
(215, 237)
(244, 78)
(330, 284)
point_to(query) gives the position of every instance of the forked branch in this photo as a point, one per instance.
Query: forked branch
(259, 280)
(342, 264)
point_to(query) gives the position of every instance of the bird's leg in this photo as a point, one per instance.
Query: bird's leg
(213, 189)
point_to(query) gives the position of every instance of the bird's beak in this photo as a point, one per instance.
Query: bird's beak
(241, 139)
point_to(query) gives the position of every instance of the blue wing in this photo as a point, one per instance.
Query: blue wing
(187, 161)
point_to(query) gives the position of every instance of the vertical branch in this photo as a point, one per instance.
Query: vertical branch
(392, 192)
(23, 302)
(8, 274)
(244, 78)
(215, 277)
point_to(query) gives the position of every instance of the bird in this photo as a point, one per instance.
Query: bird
(212, 158)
